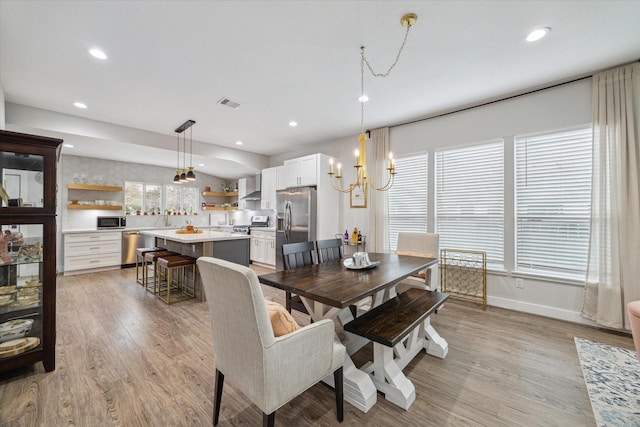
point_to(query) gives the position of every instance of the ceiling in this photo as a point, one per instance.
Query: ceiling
(169, 61)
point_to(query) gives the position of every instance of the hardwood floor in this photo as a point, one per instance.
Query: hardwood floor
(124, 358)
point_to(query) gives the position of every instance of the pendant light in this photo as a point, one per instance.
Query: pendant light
(190, 175)
(176, 179)
(184, 176)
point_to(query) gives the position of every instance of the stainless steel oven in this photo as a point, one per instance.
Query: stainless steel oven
(106, 222)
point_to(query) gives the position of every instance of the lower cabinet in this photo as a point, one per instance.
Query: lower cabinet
(85, 252)
(263, 247)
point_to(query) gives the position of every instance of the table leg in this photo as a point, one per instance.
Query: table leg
(359, 389)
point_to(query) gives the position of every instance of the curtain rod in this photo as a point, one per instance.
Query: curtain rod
(505, 98)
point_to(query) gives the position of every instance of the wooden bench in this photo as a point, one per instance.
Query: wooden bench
(399, 329)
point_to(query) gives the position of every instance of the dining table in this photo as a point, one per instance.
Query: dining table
(329, 289)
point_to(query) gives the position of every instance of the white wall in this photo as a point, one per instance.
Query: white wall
(561, 107)
(2, 107)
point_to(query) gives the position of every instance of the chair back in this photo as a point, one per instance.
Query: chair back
(297, 255)
(424, 245)
(240, 322)
(329, 250)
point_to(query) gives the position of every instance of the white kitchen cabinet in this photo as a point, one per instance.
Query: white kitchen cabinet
(280, 178)
(263, 247)
(268, 190)
(89, 252)
(302, 171)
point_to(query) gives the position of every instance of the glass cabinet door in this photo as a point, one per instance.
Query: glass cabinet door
(21, 288)
(23, 177)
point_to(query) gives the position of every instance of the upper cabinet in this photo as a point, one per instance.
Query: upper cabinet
(302, 171)
(281, 183)
(268, 190)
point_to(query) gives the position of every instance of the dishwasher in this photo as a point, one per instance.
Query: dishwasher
(132, 240)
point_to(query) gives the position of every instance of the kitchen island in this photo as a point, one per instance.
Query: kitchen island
(228, 246)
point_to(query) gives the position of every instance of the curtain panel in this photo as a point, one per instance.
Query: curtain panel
(613, 270)
(378, 238)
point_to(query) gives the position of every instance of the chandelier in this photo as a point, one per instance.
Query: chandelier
(363, 181)
(184, 176)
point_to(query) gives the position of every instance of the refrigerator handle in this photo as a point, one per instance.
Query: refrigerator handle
(287, 220)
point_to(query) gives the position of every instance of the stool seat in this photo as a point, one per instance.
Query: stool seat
(142, 251)
(153, 256)
(176, 261)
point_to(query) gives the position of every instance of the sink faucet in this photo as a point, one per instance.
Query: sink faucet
(167, 222)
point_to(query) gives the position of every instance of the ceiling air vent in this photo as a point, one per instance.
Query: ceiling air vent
(229, 103)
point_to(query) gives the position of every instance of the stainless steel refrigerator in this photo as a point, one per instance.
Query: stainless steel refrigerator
(296, 218)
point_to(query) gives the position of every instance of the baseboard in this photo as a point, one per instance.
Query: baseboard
(541, 310)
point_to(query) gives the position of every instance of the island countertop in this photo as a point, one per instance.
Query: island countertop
(205, 236)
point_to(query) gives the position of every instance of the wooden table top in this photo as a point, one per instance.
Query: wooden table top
(335, 285)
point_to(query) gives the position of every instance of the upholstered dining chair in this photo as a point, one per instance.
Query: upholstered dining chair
(297, 255)
(424, 245)
(329, 250)
(269, 370)
(633, 308)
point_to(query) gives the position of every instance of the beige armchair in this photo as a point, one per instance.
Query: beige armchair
(270, 371)
(425, 245)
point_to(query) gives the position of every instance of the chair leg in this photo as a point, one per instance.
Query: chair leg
(218, 396)
(268, 420)
(338, 385)
(354, 310)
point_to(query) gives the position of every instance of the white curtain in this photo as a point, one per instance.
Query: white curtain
(377, 239)
(613, 271)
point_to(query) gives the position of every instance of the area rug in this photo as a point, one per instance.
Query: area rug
(612, 376)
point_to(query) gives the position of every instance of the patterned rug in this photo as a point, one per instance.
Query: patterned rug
(612, 376)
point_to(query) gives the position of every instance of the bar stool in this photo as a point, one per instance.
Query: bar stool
(151, 259)
(180, 287)
(141, 263)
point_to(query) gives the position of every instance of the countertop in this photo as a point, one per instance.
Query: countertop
(95, 230)
(205, 236)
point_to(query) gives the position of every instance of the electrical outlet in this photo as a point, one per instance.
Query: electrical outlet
(520, 283)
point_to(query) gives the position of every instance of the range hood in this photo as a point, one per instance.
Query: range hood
(255, 194)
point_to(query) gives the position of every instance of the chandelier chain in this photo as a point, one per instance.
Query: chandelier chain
(373, 73)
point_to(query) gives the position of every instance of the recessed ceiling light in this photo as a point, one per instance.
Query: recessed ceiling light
(97, 53)
(363, 98)
(538, 34)
(68, 145)
(201, 164)
(293, 124)
(80, 105)
(238, 142)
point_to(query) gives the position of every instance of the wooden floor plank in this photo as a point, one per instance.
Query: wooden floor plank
(126, 358)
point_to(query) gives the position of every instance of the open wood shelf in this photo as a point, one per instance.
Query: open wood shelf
(93, 187)
(101, 207)
(218, 194)
(220, 208)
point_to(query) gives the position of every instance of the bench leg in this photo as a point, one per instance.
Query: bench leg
(389, 379)
(434, 344)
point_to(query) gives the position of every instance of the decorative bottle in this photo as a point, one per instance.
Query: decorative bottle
(354, 236)
(346, 235)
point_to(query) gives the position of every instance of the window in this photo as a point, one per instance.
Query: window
(553, 199)
(408, 197)
(470, 199)
(139, 196)
(181, 199)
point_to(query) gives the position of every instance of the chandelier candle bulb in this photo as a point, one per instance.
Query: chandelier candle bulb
(331, 165)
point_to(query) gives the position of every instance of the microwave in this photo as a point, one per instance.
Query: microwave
(105, 222)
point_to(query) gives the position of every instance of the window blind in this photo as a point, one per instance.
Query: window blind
(470, 199)
(553, 197)
(408, 197)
